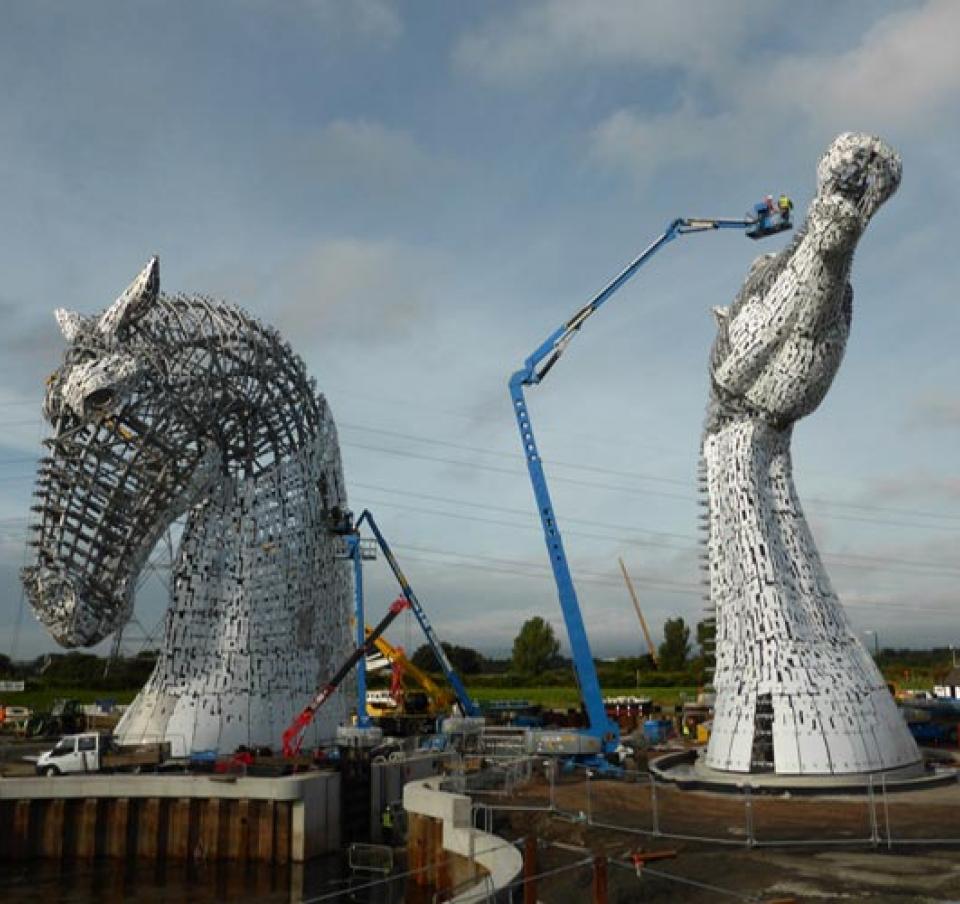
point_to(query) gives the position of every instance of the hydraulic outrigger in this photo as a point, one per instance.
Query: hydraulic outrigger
(604, 733)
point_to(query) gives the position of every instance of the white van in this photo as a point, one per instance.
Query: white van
(93, 752)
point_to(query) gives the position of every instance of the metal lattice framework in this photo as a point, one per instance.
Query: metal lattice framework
(797, 693)
(172, 405)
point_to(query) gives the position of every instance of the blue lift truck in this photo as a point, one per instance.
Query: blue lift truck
(596, 745)
(464, 701)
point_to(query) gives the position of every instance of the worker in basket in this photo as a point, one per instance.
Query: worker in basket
(763, 213)
(785, 206)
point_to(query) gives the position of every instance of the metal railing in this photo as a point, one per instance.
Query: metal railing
(370, 858)
(750, 817)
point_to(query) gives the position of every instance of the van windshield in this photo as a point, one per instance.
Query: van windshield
(63, 747)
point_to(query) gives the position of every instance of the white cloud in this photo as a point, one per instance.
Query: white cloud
(377, 19)
(356, 290)
(905, 70)
(363, 148)
(936, 412)
(918, 486)
(640, 145)
(559, 34)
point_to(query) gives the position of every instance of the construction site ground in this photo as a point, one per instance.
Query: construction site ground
(839, 861)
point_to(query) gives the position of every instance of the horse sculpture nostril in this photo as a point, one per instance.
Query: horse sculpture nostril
(99, 398)
(58, 604)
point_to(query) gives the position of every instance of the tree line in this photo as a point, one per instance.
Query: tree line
(536, 655)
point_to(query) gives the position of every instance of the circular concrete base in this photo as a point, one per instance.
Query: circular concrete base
(687, 771)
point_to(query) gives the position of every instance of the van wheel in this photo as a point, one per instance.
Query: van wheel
(51, 771)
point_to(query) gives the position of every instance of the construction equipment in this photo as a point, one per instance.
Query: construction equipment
(95, 752)
(767, 220)
(293, 736)
(65, 717)
(464, 701)
(651, 649)
(439, 699)
(414, 702)
(604, 734)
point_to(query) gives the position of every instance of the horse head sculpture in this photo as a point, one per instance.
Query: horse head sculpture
(796, 692)
(172, 405)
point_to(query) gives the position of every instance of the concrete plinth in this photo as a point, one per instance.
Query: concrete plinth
(689, 771)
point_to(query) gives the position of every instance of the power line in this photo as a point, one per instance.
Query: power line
(841, 560)
(838, 558)
(635, 475)
(526, 563)
(525, 512)
(949, 609)
(914, 568)
(618, 488)
(512, 456)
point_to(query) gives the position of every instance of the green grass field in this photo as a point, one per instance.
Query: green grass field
(564, 697)
(549, 697)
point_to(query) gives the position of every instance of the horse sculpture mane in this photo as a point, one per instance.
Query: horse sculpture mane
(172, 405)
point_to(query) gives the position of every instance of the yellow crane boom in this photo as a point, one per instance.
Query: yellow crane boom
(440, 699)
(643, 622)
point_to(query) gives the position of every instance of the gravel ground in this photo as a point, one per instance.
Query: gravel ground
(901, 874)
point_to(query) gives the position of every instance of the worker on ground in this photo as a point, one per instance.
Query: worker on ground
(386, 823)
(785, 205)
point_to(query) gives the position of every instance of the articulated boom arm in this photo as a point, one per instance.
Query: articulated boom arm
(463, 698)
(439, 696)
(534, 369)
(293, 736)
(556, 343)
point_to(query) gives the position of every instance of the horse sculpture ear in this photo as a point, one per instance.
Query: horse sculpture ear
(70, 322)
(135, 301)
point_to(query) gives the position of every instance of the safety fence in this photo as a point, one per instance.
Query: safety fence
(500, 777)
(643, 804)
(553, 872)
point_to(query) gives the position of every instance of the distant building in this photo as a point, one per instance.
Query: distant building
(950, 689)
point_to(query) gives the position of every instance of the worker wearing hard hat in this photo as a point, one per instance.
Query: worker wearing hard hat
(785, 205)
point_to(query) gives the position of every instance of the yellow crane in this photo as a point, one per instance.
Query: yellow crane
(439, 699)
(651, 649)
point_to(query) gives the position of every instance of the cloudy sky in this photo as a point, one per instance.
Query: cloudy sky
(417, 193)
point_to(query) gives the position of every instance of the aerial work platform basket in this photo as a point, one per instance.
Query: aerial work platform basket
(768, 220)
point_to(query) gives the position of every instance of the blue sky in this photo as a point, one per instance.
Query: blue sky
(416, 194)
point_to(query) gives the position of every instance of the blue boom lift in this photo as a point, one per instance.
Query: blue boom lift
(604, 734)
(463, 698)
(342, 523)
